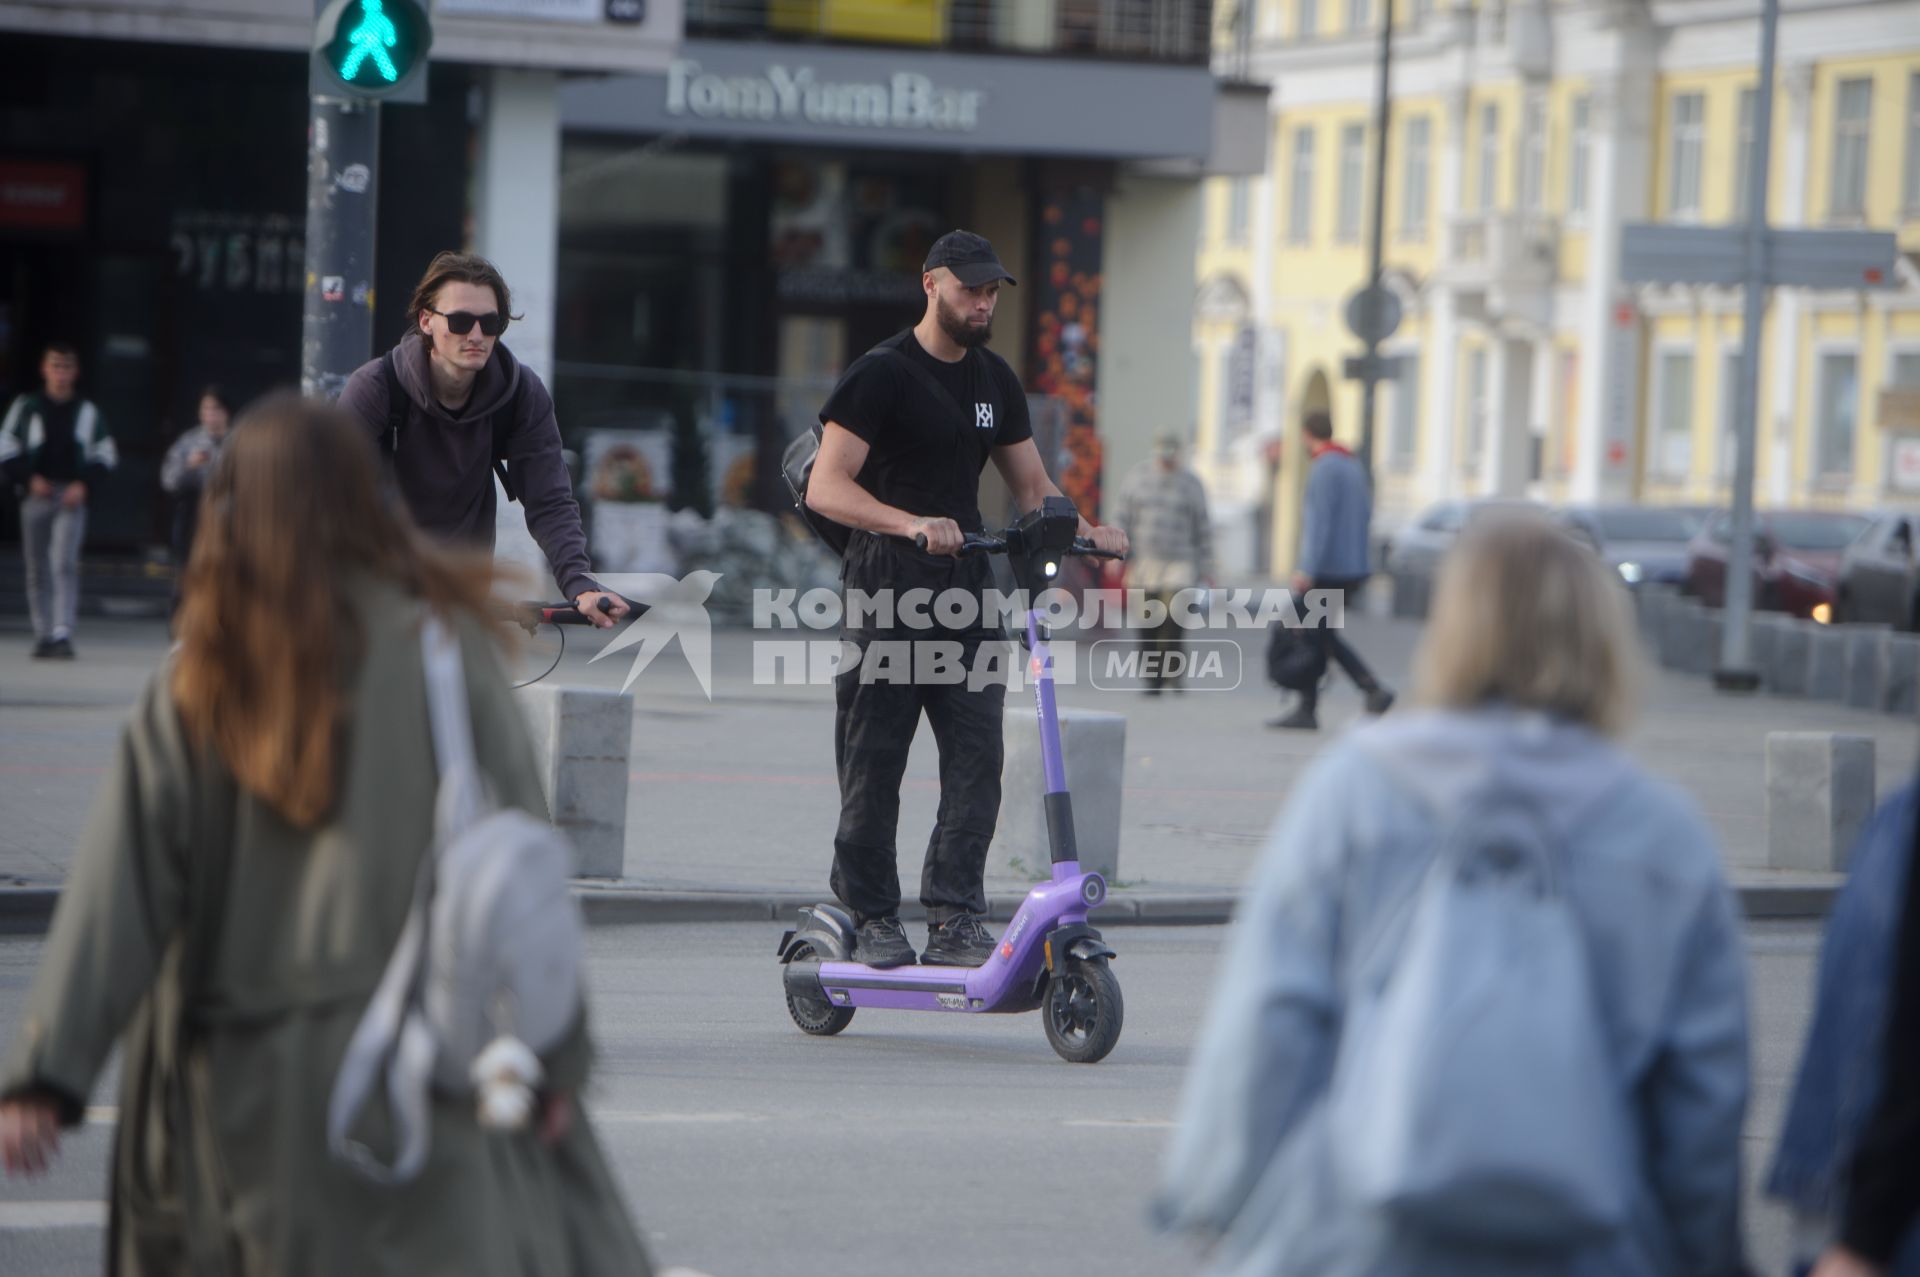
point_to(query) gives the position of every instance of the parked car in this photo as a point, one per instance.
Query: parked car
(1879, 576)
(1416, 548)
(1643, 543)
(1796, 559)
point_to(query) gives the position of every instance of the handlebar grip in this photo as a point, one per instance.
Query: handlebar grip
(920, 541)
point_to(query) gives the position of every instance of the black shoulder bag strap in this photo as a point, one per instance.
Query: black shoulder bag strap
(940, 393)
(499, 426)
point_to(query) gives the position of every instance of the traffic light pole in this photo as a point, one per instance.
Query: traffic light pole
(1382, 119)
(343, 168)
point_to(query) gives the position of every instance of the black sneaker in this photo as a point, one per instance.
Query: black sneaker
(42, 649)
(61, 649)
(881, 943)
(961, 941)
(1379, 701)
(1301, 720)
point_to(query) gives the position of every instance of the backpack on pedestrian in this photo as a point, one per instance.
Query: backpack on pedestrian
(487, 972)
(1473, 1094)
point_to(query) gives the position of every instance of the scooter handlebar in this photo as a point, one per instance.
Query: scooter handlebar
(980, 543)
(531, 615)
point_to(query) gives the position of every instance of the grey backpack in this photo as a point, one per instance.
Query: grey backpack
(486, 974)
(1473, 1092)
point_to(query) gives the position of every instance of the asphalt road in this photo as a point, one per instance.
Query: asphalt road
(911, 1143)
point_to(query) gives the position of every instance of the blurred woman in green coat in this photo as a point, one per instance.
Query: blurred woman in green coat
(244, 875)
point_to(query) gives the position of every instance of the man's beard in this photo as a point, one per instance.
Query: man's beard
(955, 326)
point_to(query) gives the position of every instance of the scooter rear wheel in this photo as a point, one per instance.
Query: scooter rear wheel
(815, 1015)
(1083, 1011)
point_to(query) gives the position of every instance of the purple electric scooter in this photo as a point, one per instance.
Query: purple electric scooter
(1049, 958)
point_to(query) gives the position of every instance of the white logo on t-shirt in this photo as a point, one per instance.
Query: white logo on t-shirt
(983, 415)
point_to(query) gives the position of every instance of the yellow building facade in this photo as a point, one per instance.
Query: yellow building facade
(1523, 138)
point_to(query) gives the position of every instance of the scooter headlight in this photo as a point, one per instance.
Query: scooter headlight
(1093, 889)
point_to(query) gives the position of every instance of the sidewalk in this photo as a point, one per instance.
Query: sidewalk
(733, 802)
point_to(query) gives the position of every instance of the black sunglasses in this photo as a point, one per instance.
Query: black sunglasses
(461, 322)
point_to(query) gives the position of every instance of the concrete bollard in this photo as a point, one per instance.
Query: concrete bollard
(1411, 595)
(1900, 674)
(1865, 665)
(1827, 664)
(1760, 637)
(1819, 795)
(1676, 631)
(1093, 744)
(1652, 603)
(1702, 652)
(1789, 654)
(582, 739)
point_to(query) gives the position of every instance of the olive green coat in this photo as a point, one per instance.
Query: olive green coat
(235, 954)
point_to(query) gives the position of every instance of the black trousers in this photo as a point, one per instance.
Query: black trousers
(1167, 639)
(1334, 648)
(873, 727)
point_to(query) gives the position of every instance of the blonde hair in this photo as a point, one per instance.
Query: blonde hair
(1526, 615)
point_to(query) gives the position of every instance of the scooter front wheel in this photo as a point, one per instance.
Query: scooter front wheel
(815, 1015)
(1083, 1011)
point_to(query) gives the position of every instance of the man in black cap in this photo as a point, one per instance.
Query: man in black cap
(905, 436)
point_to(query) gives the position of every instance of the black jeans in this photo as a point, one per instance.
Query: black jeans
(873, 728)
(1335, 648)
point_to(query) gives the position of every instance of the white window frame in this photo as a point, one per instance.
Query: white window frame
(1910, 183)
(1851, 138)
(1306, 19)
(1746, 114)
(1822, 476)
(1360, 16)
(1686, 156)
(1661, 468)
(1239, 210)
(1351, 192)
(1533, 154)
(1479, 369)
(1404, 397)
(1300, 184)
(1579, 153)
(1487, 190)
(1416, 196)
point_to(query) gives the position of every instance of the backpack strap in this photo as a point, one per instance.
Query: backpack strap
(393, 1041)
(396, 402)
(500, 425)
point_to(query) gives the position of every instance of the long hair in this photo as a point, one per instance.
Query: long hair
(458, 268)
(294, 509)
(1526, 615)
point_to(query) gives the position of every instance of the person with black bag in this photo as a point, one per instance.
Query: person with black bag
(451, 409)
(904, 438)
(1333, 558)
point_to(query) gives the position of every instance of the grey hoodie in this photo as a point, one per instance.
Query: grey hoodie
(1250, 1167)
(444, 466)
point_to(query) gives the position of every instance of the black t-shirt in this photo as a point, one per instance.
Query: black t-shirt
(58, 460)
(925, 456)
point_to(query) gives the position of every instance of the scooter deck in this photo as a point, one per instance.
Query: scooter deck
(914, 988)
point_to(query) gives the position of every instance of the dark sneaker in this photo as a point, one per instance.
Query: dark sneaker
(881, 943)
(61, 649)
(1301, 720)
(960, 941)
(1379, 701)
(42, 649)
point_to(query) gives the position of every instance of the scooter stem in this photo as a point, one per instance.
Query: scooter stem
(1056, 801)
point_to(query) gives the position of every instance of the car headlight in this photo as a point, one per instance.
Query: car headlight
(1631, 573)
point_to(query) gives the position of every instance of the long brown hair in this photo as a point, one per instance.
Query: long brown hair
(268, 643)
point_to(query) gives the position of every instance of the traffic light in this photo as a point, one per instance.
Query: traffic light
(372, 49)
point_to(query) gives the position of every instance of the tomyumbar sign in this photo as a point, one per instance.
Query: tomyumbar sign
(798, 95)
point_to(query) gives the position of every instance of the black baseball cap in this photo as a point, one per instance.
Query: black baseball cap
(969, 257)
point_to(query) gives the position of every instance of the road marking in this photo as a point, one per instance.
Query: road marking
(1123, 1123)
(34, 1216)
(631, 1115)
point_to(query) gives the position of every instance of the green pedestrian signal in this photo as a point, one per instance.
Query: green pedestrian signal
(371, 48)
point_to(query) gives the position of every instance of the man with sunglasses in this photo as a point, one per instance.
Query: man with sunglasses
(451, 408)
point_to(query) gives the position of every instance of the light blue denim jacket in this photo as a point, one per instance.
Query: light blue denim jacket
(1843, 1065)
(1339, 507)
(1248, 1171)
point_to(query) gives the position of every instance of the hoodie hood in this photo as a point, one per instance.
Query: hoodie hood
(491, 389)
(1444, 756)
